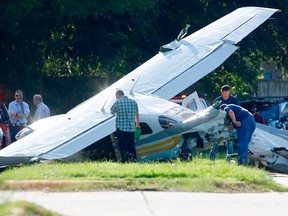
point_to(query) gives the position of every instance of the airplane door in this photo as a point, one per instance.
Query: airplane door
(193, 102)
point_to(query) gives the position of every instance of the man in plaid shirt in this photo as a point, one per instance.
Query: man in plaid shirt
(127, 118)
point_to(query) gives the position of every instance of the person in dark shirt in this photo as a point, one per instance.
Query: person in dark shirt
(243, 121)
(224, 98)
(257, 116)
(18, 112)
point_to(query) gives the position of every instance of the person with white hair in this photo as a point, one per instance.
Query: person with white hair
(42, 110)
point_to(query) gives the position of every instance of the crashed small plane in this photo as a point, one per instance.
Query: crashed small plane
(87, 131)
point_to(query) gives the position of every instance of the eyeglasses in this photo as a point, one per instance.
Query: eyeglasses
(16, 95)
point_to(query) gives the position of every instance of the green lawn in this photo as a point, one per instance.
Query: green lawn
(24, 208)
(198, 175)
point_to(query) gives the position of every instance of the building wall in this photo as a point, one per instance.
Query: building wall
(272, 88)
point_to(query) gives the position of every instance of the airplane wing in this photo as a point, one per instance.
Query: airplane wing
(59, 138)
(164, 75)
(267, 138)
(190, 59)
(270, 145)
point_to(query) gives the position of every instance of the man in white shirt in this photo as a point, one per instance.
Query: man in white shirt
(42, 109)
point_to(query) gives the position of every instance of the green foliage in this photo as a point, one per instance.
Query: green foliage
(24, 208)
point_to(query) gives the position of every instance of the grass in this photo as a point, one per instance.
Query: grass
(199, 175)
(22, 208)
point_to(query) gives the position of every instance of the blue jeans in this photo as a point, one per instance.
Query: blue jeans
(244, 134)
(126, 145)
(14, 130)
(214, 149)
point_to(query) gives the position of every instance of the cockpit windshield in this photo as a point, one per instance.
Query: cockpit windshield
(174, 116)
(179, 113)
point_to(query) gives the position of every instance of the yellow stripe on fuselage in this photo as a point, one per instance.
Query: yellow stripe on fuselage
(157, 144)
(156, 148)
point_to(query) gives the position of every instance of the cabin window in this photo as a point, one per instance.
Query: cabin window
(145, 128)
(193, 105)
(166, 122)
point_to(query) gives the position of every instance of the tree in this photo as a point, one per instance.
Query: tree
(242, 69)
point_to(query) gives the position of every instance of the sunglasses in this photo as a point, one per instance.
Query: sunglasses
(16, 95)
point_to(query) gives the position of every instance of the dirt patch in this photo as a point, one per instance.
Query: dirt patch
(235, 187)
(46, 184)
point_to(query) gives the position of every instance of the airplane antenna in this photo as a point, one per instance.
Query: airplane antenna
(131, 91)
(183, 32)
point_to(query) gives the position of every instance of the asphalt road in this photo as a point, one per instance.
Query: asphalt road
(156, 203)
(145, 203)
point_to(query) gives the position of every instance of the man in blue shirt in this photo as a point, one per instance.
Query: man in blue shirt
(243, 121)
(18, 113)
(127, 118)
(224, 98)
